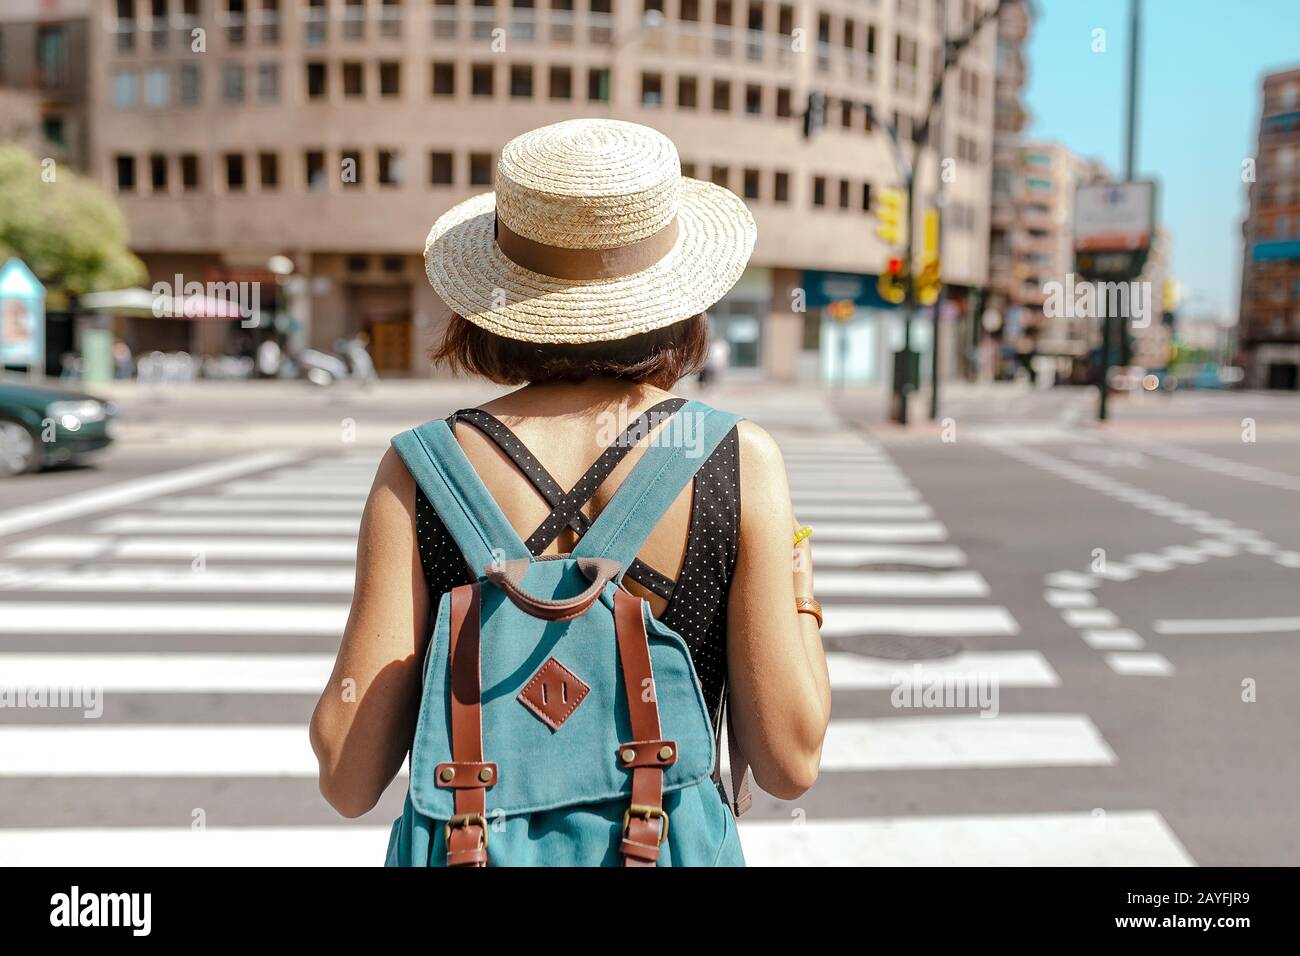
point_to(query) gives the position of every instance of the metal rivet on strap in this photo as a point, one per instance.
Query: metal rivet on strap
(628, 755)
(665, 752)
(485, 774)
(446, 774)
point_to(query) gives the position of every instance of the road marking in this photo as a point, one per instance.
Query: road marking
(138, 489)
(1090, 617)
(170, 673)
(912, 531)
(836, 555)
(1150, 562)
(224, 505)
(815, 512)
(1120, 838)
(1240, 625)
(1140, 665)
(226, 524)
(158, 617)
(843, 620)
(1007, 668)
(962, 741)
(260, 580)
(852, 496)
(295, 489)
(1113, 639)
(1060, 599)
(85, 547)
(1071, 579)
(954, 584)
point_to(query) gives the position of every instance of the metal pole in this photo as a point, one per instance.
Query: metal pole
(938, 302)
(902, 380)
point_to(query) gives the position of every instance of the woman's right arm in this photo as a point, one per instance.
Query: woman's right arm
(778, 685)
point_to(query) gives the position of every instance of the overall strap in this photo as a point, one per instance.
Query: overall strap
(475, 522)
(677, 453)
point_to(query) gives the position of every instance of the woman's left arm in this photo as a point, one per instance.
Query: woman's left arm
(363, 724)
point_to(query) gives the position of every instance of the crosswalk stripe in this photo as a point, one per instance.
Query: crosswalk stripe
(226, 524)
(1113, 639)
(1131, 664)
(838, 555)
(223, 505)
(910, 531)
(1062, 599)
(957, 621)
(820, 511)
(940, 584)
(258, 580)
(958, 741)
(85, 546)
(1255, 625)
(294, 489)
(158, 617)
(1006, 668)
(170, 673)
(1090, 617)
(851, 496)
(1082, 838)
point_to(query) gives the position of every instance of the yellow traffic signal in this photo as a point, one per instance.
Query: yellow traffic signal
(891, 216)
(928, 282)
(891, 283)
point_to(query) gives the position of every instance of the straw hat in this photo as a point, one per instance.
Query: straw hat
(593, 234)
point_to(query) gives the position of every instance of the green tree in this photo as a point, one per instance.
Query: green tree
(67, 230)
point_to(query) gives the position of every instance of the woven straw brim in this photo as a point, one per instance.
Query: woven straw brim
(470, 274)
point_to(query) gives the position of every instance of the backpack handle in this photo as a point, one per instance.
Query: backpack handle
(509, 576)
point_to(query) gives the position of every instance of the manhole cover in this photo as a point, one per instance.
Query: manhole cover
(898, 648)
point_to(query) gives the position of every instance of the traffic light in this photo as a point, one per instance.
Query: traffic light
(892, 284)
(891, 216)
(928, 282)
(814, 115)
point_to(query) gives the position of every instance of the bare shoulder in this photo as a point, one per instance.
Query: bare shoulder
(393, 489)
(760, 456)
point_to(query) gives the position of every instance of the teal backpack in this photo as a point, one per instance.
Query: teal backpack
(560, 724)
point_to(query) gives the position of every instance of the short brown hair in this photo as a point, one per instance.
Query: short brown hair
(659, 358)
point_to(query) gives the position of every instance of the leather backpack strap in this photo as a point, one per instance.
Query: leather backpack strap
(466, 773)
(645, 824)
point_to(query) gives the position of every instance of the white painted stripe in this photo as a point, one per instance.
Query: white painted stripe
(225, 524)
(959, 741)
(1071, 579)
(1240, 625)
(912, 531)
(837, 555)
(345, 845)
(1114, 571)
(151, 750)
(852, 496)
(1114, 639)
(842, 512)
(1090, 617)
(1149, 562)
(224, 505)
(953, 584)
(1184, 555)
(138, 489)
(82, 547)
(158, 617)
(958, 621)
(297, 489)
(1061, 599)
(330, 580)
(1003, 668)
(170, 673)
(1140, 664)
(1120, 838)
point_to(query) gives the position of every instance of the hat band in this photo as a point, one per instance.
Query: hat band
(560, 262)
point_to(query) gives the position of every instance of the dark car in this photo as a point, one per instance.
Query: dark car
(44, 426)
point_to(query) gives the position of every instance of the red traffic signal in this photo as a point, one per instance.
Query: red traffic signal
(894, 266)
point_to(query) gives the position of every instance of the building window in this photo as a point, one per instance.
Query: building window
(189, 172)
(390, 19)
(234, 172)
(125, 25)
(394, 264)
(866, 197)
(390, 168)
(521, 81)
(846, 114)
(51, 57)
(444, 19)
(354, 19)
(480, 169)
(350, 172)
(125, 166)
(481, 79)
(443, 82)
(440, 169)
(157, 87)
(232, 82)
(314, 165)
(561, 22)
(652, 90)
(390, 78)
(124, 88)
(270, 19)
(784, 109)
(598, 85)
(187, 81)
(235, 22)
(53, 131)
(358, 263)
(690, 11)
(688, 93)
(721, 96)
(718, 175)
(315, 23)
(268, 82)
(483, 19)
(560, 86)
(158, 173)
(753, 99)
(751, 184)
(845, 200)
(268, 170)
(316, 80)
(819, 191)
(781, 187)
(354, 80)
(600, 22)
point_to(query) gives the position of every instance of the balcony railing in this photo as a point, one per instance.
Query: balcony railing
(600, 29)
(444, 22)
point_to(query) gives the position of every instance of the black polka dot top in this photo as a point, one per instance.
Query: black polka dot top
(697, 600)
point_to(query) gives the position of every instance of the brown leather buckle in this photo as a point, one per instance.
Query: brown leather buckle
(646, 813)
(464, 820)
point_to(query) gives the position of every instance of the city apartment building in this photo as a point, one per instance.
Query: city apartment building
(334, 132)
(1269, 325)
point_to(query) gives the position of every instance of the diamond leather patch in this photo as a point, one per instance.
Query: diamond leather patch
(554, 693)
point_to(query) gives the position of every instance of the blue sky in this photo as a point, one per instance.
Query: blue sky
(1198, 114)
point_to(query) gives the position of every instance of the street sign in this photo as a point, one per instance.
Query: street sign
(1110, 265)
(1114, 217)
(841, 310)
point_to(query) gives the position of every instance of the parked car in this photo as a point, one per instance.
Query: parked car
(44, 426)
